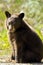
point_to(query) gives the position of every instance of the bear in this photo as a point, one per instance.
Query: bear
(27, 45)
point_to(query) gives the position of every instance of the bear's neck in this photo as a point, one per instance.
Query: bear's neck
(13, 35)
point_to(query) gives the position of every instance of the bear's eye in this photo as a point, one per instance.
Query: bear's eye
(9, 23)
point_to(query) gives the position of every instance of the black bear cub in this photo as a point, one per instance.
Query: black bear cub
(27, 46)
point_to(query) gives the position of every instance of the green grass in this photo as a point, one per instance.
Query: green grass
(4, 43)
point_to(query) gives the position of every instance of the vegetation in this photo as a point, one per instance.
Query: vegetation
(33, 10)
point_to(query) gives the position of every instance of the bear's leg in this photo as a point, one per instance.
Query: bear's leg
(13, 57)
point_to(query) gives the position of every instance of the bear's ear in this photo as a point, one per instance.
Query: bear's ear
(7, 14)
(21, 15)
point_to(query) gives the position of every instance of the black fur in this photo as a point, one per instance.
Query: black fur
(28, 43)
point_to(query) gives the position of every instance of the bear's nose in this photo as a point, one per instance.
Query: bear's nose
(10, 27)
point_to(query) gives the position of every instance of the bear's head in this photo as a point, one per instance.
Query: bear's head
(13, 22)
